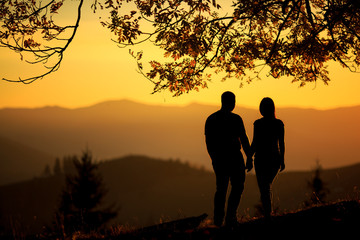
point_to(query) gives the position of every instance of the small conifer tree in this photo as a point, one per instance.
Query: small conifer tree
(84, 191)
(46, 171)
(57, 167)
(318, 189)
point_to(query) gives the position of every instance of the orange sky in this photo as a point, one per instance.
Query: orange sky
(94, 69)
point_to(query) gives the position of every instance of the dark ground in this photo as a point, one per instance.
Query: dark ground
(339, 220)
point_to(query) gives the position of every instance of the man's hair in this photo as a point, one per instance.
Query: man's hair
(228, 100)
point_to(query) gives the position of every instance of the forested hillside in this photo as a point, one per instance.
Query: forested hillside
(148, 191)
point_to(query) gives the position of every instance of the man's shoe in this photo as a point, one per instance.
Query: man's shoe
(232, 224)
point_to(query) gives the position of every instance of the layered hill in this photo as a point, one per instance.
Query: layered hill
(19, 162)
(120, 128)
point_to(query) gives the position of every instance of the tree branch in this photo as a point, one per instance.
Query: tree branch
(43, 55)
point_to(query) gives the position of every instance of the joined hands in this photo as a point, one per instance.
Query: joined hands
(249, 164)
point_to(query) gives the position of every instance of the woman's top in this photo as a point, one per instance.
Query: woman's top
(268, 140)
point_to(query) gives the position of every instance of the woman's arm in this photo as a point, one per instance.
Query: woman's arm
(282, 147)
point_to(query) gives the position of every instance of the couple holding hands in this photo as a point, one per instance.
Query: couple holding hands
(225, 135)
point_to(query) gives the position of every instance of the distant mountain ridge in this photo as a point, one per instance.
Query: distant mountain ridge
(119, 128)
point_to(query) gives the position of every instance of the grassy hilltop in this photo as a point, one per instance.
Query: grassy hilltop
(338, 220)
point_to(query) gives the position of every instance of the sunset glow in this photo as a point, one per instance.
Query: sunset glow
(95, 69)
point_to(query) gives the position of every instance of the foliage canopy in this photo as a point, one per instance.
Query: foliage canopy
(293, 38)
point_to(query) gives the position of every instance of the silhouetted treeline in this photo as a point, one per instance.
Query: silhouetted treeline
(64, 166)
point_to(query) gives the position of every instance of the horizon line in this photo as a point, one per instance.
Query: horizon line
(171, 105)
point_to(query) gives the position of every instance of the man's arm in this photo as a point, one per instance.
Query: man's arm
(246, 146)
(209, 139)
(244, 140)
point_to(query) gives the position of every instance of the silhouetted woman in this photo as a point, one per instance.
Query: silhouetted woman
(269, 148)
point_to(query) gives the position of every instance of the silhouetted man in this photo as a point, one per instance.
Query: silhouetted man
(225, 134)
